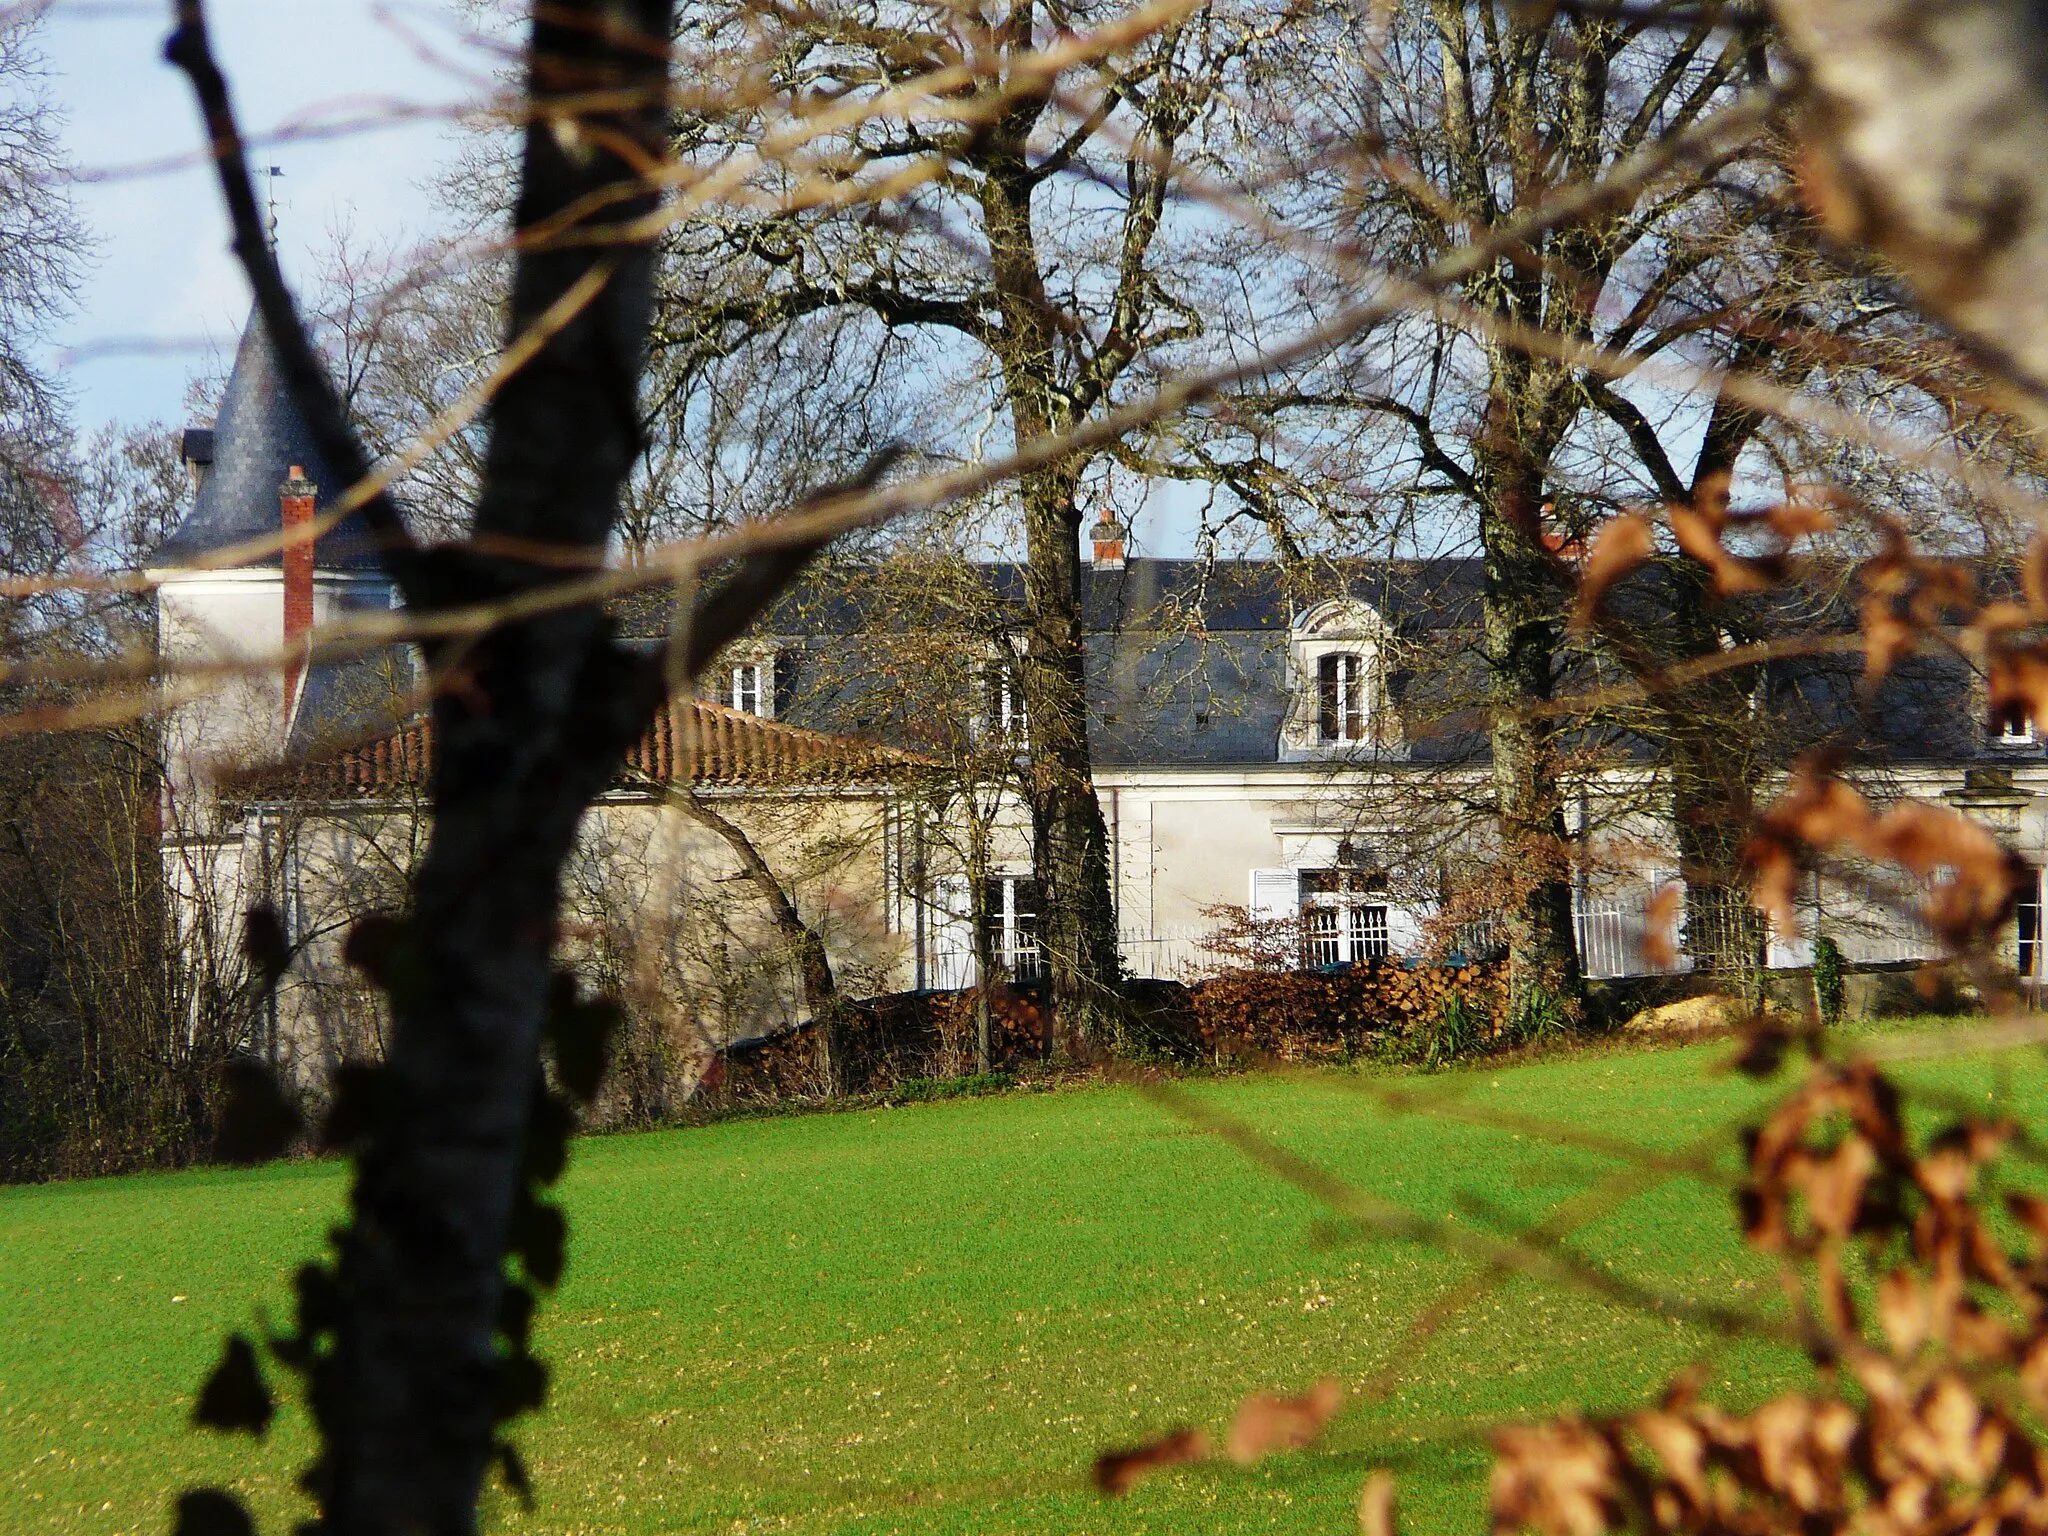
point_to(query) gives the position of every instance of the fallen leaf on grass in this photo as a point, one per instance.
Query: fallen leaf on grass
(1267, 1424)
(1117, 1472)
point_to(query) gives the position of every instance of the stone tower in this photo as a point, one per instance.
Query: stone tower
(228, 595)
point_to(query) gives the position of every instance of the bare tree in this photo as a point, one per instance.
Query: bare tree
(1053, 305)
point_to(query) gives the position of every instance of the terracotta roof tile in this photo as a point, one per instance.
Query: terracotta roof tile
(694, 742)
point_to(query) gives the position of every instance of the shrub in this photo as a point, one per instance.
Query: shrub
(1454, 1032)
(1338, 1015)
(1540, 1018)
(1830, 991)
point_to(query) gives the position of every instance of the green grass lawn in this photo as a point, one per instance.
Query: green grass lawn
(932, 1318)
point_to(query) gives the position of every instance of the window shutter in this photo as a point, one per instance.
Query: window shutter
(1276, 893)
(952, 931)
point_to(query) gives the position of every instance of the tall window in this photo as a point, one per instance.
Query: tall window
(1340, 697)
(750, 685)
(1010, 908)
(2027, 919)
(1344, 916)
(1002, 700)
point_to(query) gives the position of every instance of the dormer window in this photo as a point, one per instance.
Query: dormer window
(1002, 691)
(753, 688)
(1340, 696)
(1337, 670)
(1003, 713)
(2015, 730)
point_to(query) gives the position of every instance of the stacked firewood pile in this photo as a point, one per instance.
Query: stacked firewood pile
(1431, 1012)
(1336, 1015)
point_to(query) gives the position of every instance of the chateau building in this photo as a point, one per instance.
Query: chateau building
(1306, 745)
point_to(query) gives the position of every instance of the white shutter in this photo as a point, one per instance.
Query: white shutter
(1404, 930)
(1276, 893)
(952, 934)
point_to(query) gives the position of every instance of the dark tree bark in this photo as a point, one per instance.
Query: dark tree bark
(819, 986)
(531, 720)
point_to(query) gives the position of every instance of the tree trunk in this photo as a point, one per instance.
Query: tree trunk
(1077, 926)
(819, 987)
(1520, 606)
(978, 921)
(1070, 854)
(531, 720)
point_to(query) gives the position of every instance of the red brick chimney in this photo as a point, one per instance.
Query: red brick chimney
(1108, 537)
(295, 497)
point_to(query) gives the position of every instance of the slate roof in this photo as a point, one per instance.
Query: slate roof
(1188, 663)
(259, 435)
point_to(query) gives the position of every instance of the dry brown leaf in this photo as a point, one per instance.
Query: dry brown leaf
(1622, 544)
(1837, 1306)
(1680, 1446)
(1904, 596)
(1660, 927)
(1797, 518)
(1699, 535)
(1834, 1185)
(1902, 1311)
(1267, 1424)
(1117, 1472)
(2034, 576)
(1376, 1505)
(1886, 638)
(2017, 683)
(1559, 1479)
(1978, 880)
(2031, 1211)
(1774, 880)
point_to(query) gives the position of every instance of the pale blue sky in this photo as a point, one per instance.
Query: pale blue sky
(162, 273)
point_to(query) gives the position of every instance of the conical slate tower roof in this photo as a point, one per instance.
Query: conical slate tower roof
(258, 437)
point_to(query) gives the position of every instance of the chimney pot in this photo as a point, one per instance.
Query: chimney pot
(1108, 538)
(296, 499)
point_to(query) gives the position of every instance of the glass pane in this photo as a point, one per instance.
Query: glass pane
(1369, 933)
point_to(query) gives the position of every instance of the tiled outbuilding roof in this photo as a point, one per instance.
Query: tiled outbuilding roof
(693, 744)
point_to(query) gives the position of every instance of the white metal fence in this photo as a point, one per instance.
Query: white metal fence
(1611, 933)
(1611, 928)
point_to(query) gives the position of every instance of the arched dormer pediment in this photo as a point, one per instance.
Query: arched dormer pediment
(1341, 618)
(1337, 663)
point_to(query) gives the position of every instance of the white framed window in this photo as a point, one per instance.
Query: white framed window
(1010, 908)
(1002, 694)
(753, 688)
(2027, 929)
(1344, 917)
(2016, 731)
(1341, 701)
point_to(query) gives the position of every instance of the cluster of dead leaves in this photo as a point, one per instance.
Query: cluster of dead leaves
(2015, 654)
(1903, 595)
(1263, 1425)
(1972, 879)
(1700, 527)
(1931, 1441)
